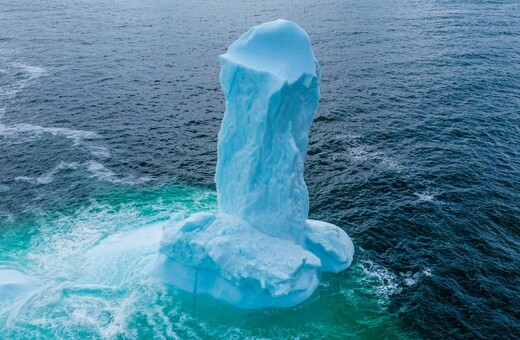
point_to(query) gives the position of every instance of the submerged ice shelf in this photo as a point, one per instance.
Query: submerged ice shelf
(259, 250)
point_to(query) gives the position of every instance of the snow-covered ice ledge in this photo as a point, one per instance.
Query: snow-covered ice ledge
(260, 250)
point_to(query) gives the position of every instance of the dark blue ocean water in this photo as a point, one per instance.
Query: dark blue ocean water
(109, 114)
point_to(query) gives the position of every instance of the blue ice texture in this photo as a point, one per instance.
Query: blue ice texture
(260, 249)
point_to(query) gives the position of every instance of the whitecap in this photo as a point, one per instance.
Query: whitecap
(33, 71)
(23, 133)
(98, 151)
(385, 282)
(410, 279)
(362, 154)
(96, 169)
(349, 137)
(391, 164)
(16, 130)
(48, 177)
(99, 171)
(425, 197)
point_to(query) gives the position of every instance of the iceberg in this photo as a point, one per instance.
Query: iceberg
(260, 249)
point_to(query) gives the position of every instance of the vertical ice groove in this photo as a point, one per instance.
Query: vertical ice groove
(277, 87)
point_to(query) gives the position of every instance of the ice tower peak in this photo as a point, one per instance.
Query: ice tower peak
(260, 250)
(279, 47)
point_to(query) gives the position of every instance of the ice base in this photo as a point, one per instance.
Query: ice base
(226, 257)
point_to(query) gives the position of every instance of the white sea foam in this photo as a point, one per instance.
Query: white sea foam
(98, 151)
(15, 130)
(387, 283)
(99, 171)
(425, 197)
(89, 268)
(349, 137)
(30, 73)
(362, 154)
(411, 279)
(48, 177)
(391, 164)
(96, 170)
(33, 71)
(23, 133)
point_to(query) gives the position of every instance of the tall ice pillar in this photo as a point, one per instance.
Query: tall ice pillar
(259, 250)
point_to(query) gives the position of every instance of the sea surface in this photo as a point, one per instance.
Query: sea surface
(109, 114)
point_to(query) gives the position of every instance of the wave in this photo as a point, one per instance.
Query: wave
(387, 283)
(84, 288)
(362, 154)
(49, 176)
(410, 279)
(33, 71)
(23, 133)
(425, 197)
(94, 168)
(16, 130)
(99, 171)
(23, 74)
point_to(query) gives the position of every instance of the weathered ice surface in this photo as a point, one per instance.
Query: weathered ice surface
(259, 250)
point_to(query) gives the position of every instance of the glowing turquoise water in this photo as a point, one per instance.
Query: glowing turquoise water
(88, 291)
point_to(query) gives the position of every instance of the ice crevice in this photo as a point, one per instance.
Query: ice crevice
(260, 249)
